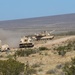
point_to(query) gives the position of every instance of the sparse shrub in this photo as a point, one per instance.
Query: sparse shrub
(19, 53)
(9, 56)
(11, 67)
(1, 56)
(62, 52)
(63, 49)
(53, 71)
(55, 52)
(32, 71)
(25, 52)
(60, 66)
(36, 65)
(69, 68)
(43, 48)
(29, 51)
(41, 63)
(29, 70)
(46, 54)
(40, 53)
(40, 70)
(74, 48)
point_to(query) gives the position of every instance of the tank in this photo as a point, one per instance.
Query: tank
(44, 36)
(4, 47)
(26, 42)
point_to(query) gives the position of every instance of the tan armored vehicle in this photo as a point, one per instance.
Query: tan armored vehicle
(4, 47)
(26, 42)
(43, 36)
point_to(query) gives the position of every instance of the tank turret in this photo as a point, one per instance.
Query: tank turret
(26, 42)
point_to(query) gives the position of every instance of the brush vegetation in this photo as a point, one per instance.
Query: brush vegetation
(11, 67)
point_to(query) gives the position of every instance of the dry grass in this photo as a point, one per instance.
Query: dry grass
(48, 60)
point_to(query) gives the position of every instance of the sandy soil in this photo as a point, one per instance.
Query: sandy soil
(59, 41)
(48, 60)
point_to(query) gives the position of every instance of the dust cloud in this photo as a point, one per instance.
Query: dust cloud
(10, 37)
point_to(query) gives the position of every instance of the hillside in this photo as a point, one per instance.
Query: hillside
(58, 22)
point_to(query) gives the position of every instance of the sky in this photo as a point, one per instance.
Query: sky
(20, 9)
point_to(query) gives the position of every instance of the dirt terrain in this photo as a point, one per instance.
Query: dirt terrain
(49, 60)
(58, 41)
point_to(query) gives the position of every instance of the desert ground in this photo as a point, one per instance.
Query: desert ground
(47, 60)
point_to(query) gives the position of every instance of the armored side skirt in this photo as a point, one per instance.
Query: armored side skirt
(26, 45)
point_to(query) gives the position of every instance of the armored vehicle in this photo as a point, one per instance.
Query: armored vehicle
(26, 42)
(43, 36)
(4, 47)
